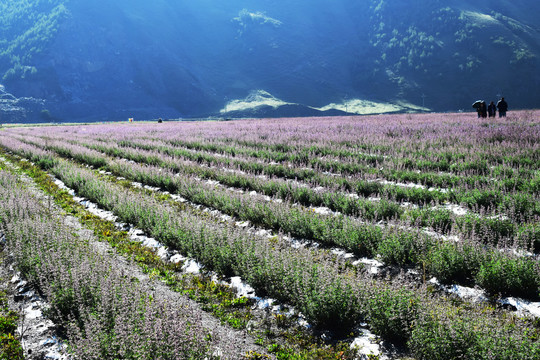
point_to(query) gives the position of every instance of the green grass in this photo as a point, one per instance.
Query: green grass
(10, 345)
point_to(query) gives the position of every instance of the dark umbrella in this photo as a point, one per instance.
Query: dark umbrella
(477, 104)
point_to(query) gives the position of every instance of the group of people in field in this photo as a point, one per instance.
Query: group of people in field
(491, 109)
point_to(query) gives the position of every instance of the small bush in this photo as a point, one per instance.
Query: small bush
(453, 263)
(335, 307)
(10, 348)
(392, 314)
(442, 339)
(401, 248)
(510, 276)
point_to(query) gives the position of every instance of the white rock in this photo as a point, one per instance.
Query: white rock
(162, 252)
(322, 210)
(367, 345)
(151, 242)
(468, 293)
(242, 289)
(177, 258)
(212, 182)
(32, 312)
(265, 303)
(521, 305)
(373, 265)
(263, 233)
(178, 198)
(191, 267)
(342, 253)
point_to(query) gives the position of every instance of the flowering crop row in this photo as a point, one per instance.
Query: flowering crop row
(449, 137)
(494, 196)
(439, 140)
(463, 262)
(460, 263)
(336, 200)
(519, 206)
(347, 161)
(444, 141)
(328, 290)
(105, 314)
(329, 297)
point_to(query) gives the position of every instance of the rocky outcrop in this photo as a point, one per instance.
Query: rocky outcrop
(19, 110)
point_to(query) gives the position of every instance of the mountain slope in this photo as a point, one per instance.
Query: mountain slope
(124, 58)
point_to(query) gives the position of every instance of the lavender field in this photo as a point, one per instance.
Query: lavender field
(422, 231)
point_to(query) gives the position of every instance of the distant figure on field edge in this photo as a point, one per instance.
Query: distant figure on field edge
(492, 109)
(503, 107)
(480, 106)
(482, 110)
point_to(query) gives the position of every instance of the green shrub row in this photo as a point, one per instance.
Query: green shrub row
(520, 206)
(485, 229)
(102, 310)
(402, 247)
(303, 155)
(280, 272)
(327, 298)
(399, 315)
(493, 197)
(425, 162)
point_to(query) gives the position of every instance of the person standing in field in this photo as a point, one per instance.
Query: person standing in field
(482, 110)
(492, 109)
(503, 107)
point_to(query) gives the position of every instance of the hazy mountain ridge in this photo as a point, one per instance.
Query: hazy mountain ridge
(118, 59)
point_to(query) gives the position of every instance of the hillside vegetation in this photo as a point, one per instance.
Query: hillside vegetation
(111, 60)
(27, 28)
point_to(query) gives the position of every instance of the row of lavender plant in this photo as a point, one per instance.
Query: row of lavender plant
(453, 135)
(271, 267)
(349, 161)
(442, 134)
(327, 296)
(462, 263)
(103, 312)
(430, 329)
(489, 229)
(398, 170)
(452, 138)
(468, 332)
(520, 206)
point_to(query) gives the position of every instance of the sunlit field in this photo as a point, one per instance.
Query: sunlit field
(422, 228)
